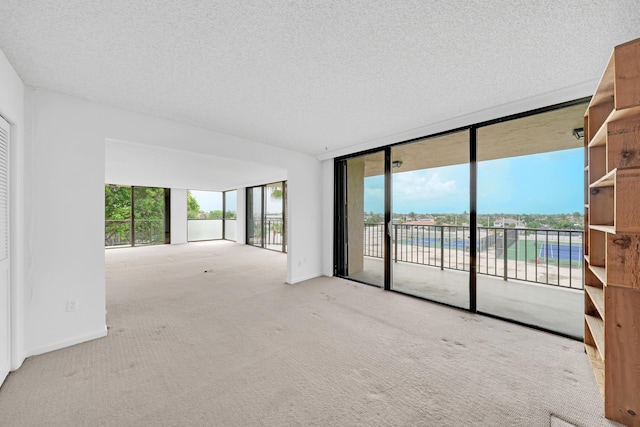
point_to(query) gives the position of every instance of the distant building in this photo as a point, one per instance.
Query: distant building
(508, 222)
(422, 222)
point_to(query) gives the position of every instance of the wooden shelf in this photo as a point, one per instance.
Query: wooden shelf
(614, 202)
(600, 272)
(604, 228)
(596, 326)
(612, 234)
(600, 137)
(597, 366)
(604, 92)
(597, 298)
(606, 181)
(624, 114)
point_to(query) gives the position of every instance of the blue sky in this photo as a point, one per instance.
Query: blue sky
(544, 183)
(212, 200)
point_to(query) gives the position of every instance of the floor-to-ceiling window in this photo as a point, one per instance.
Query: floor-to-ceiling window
(136, 216)
(204, 215)
(267, 216)
(488, 218)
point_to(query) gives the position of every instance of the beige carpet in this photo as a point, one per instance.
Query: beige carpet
(235, 346)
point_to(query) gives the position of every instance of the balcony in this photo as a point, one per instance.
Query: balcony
(533, 276)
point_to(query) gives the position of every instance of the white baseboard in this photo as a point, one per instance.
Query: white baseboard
(303, 278)
(68, 342)
(4, 371)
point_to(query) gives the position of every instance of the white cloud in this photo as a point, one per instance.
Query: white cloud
(423, 185)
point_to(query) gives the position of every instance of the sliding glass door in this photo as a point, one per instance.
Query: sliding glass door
(254, 216)
(487, 218)
(431, 230)
(362, 206)
(274, 219)
(530, 221)
(267, 216)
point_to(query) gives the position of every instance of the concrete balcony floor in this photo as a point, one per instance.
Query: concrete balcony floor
(555, 308)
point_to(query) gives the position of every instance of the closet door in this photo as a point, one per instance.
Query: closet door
(5, 300)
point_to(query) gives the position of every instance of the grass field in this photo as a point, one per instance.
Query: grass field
(529, 251)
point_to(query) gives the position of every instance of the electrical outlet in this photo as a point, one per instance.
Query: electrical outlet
(72, 305)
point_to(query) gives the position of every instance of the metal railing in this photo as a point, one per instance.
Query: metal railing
(274, 230)
(550, 257)
(146, 231)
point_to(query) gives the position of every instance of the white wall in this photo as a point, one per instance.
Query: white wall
(241, 215)
(327, 217)
(64, 227)
(178, 216)
(12, 109)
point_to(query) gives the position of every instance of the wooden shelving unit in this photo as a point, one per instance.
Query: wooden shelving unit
(612, 237)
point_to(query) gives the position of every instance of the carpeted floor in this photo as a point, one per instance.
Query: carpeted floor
(235, 346)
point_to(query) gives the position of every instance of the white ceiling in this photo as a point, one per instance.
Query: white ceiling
(312, 76)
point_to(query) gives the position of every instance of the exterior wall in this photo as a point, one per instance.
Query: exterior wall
(355, 214)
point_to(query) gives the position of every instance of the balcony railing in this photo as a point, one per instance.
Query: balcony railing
(273, 231)
(147, 232)
(550, 257)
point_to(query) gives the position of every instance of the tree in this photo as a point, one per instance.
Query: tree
(374, 218)
(276, 193)
(117, 213)
(193, 208)
(147, 208)
(148, 213)
(216, 214)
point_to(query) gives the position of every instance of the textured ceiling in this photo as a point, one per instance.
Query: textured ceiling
(312, 76)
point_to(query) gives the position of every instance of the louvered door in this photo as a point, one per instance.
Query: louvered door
(5, 300)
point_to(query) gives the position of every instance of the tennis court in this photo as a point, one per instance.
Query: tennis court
(561, 252)
(435, 242)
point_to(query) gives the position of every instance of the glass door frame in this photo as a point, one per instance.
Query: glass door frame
(340, 267)
(263, 205)
(340, 222)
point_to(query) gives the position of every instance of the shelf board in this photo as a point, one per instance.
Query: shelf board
(596, 326)
(597, 298)
(600, 137)
(586, 258)
(600, 272)
(607, 180)
(597, 366)
(624, 113)
(604, 228)
(604, 92)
